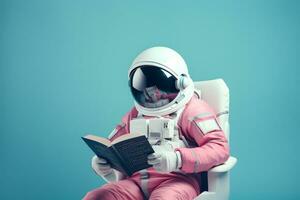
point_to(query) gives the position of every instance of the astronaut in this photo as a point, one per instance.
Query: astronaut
(182, 129)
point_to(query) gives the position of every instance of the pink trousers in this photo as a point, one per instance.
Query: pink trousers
(172, 188)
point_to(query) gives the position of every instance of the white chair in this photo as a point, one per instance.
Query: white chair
(216, 180)
(216, 94)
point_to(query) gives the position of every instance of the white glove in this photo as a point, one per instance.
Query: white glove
(101, 166)
(165, 161)
(103, 169)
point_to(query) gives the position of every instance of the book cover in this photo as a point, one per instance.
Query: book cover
(128, 153)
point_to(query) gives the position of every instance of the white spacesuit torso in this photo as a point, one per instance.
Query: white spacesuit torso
(160, 131)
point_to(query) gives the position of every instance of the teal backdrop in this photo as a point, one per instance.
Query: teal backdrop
(64, 74)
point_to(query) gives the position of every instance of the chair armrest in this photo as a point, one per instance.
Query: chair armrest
(225, 167)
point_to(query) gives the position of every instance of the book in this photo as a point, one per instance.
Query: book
(127, 153)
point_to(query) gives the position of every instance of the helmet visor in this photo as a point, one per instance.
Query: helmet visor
(153, 87)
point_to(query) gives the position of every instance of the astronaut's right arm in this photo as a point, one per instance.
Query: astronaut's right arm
(100, 165)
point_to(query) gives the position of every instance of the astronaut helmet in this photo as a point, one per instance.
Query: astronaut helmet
(160, 82)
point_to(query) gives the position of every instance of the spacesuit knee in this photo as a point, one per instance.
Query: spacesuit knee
(101, 193)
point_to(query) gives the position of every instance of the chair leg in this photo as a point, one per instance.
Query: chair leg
(220, 184)
(218, 187)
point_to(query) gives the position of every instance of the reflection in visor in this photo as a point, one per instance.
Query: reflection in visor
(152, 87)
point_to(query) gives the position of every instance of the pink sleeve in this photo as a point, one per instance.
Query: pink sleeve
(212, 147)
(123, 127)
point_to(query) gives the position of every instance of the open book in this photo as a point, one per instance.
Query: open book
(127, 153)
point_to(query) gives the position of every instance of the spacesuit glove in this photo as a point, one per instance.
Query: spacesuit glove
(101, 166)
(103, 169)
(165, 161)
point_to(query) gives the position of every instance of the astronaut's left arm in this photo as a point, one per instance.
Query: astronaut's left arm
(212, 144)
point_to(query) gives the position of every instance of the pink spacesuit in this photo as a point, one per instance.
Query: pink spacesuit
(182, 129)
(209, 148)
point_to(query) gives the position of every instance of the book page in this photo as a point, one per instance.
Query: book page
(125, 137)
(98, 139)
(105, 152)
(134, 152)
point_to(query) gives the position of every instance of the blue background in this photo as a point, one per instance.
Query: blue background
(64, 74)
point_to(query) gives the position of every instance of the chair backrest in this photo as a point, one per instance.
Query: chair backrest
(216, 94)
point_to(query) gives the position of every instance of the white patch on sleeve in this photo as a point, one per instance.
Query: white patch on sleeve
(115, 131)
(112, 134)
(208, 126)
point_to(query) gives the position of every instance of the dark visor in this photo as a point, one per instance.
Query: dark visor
(152, 86)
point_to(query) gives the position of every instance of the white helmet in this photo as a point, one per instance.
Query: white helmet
(160, 82)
